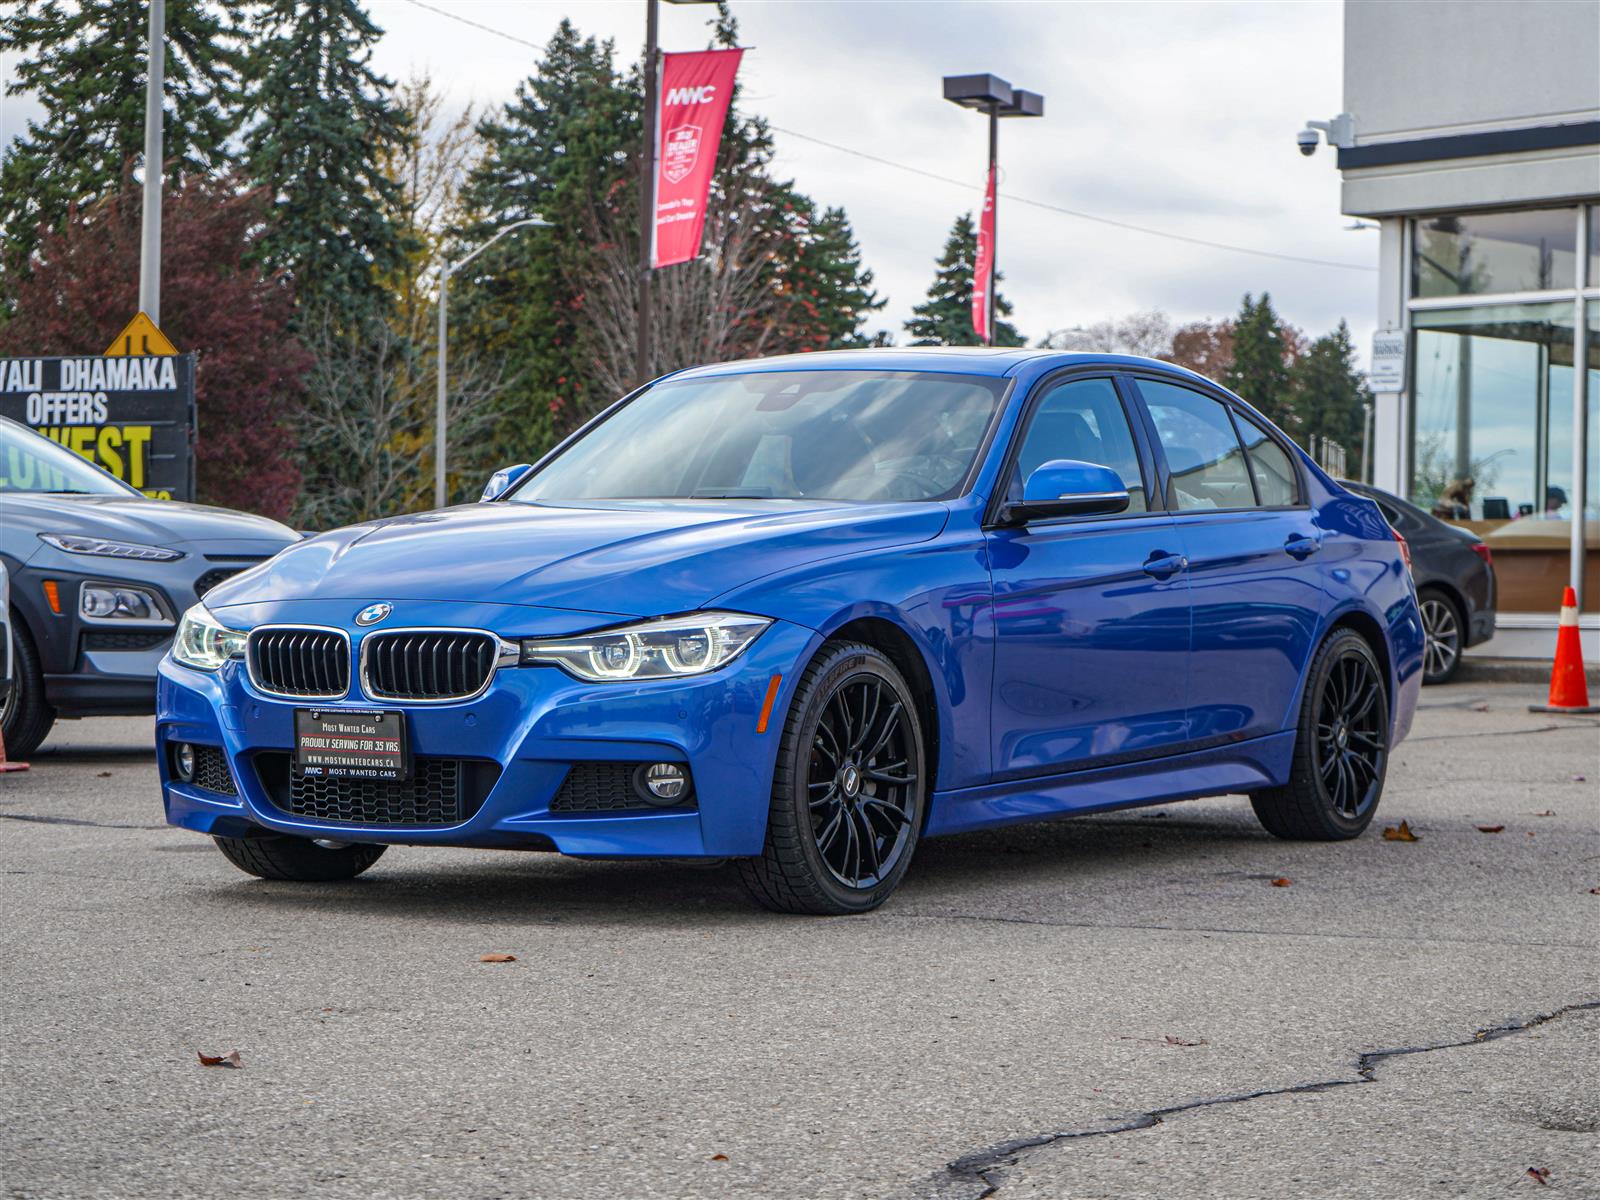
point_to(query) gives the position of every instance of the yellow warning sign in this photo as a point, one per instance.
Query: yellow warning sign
(139, 339)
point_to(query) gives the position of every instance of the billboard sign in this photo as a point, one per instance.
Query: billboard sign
(133, 416)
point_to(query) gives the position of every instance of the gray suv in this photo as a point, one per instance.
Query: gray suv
(100, 575)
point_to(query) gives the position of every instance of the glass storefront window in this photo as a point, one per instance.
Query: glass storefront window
(1491, 384)
(1594, 250)
(1463, 254)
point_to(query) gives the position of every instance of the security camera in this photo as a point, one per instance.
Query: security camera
(1307, 139)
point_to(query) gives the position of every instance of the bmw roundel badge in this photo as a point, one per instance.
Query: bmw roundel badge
(373, 613)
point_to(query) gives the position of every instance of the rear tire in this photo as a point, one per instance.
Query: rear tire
(848, 791)
(300, 860)
(1340, 750)
(25, 717)
(1445, 628)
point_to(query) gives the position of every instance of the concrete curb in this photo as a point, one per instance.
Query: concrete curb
(1514, 670)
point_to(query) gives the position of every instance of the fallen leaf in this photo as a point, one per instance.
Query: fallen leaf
(1540, 1175)
(1491, 828)
(497, 958)
(1549, 812)
(107, 775)
(1579, 778)
(1483, 707)
(1594, 891)
(1282, 881)
(1402, 834)
(230, 1061)
(1178, 1041)
(719, 1158)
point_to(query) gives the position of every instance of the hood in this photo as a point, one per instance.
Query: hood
(627, 558)
(136, 519)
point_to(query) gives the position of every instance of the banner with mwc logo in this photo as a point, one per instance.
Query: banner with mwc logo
(695, 91)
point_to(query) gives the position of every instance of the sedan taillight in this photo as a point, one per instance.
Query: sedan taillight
(1405, 548)
(1482, 550)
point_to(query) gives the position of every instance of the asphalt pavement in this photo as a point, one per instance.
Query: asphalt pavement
(1118, 1006)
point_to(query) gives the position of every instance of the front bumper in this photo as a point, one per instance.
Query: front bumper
(535, 723)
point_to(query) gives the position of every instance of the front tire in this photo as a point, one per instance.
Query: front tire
(848, 791)
(1341, 748)
(25, 717)
(300, 860)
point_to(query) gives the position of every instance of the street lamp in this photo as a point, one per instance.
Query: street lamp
(647, 180)
(441, 418)
(993, 95)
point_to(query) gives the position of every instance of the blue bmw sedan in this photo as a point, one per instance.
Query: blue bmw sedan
(804, 612)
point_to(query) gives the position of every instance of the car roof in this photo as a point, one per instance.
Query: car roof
(960, 360)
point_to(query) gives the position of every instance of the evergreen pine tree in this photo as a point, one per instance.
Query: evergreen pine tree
(325, 122)
(1329, 394)
(1261, 359)
(945, 317)
(828, 291)
(86, 63)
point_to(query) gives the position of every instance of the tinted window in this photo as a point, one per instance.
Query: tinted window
(1082, 420)
(780, 435)
(1276, 482)
(1203, 452)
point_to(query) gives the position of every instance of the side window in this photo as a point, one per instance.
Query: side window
(1082, 420)
(1277, 483)
(1203, 452)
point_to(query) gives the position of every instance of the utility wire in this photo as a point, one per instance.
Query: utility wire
(1032, 203)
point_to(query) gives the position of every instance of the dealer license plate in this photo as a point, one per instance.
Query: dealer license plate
(351, 744)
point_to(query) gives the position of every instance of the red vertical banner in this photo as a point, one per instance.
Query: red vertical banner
(695, 92)
(983, 264)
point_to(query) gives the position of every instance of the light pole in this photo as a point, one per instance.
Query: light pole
(441, 421)
(150, 239)
(647, 181)
(992, 95)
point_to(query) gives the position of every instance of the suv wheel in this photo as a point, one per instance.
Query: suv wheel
(25, 718)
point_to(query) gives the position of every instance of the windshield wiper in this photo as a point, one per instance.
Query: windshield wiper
(734, 494)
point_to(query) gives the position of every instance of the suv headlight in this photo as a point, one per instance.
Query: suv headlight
(101, 548)
(666, 649)
(107, 602)
(203, 642)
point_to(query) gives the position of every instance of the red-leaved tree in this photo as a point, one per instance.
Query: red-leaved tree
(84, 287)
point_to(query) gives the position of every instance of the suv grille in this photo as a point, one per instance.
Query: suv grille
(213, 577)
(427, 664)
(441, 791)
(299, 663)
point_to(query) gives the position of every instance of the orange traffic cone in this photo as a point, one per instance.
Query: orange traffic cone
(1569, 691)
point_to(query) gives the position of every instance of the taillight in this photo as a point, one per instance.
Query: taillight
(1481, 549)
(1405, 548)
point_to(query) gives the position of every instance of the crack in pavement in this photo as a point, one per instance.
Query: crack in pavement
(38, 820)
(986, 1168)
(1288, 933)
(1447, 737)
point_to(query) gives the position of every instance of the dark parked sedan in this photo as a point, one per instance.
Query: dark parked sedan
(100, 574)
(1454, 571)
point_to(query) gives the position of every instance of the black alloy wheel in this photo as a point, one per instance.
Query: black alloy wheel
(1341, 748)
(848, 792)
(1441, 625)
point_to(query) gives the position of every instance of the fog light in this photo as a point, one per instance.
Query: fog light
(183, 761)
(663, 783)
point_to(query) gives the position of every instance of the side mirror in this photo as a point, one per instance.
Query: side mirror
(1064, 487)
(502, 481)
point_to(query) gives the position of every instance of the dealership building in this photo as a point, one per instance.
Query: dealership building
(1471, 137)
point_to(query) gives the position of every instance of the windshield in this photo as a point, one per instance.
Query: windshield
(31, 462)
(781, 435)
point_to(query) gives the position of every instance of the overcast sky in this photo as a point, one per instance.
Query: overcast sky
(1178, 116)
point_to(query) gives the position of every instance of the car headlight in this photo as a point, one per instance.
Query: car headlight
(666, 649)
(203, 642)
(120, 602)
(101, 548)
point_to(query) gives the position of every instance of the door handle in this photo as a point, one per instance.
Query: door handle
(1301, 546)
(1161, 565)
